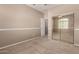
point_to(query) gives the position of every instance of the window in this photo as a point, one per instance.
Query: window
(63, 23)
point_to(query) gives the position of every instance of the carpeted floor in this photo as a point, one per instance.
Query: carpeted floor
(41, 46)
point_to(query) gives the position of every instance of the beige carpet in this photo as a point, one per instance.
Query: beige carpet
(41, 46)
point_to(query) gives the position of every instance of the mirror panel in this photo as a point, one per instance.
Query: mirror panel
(63, 28)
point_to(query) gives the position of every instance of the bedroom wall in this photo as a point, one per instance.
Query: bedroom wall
(18, 23)
(64, 9)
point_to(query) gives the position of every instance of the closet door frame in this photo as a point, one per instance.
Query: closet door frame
(64, 14)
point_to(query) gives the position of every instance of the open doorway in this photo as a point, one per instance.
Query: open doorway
(46, 26)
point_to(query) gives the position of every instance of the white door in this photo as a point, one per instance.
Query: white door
(42, 27)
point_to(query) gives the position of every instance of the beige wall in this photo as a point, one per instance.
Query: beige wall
(64, 9)
(18, 16)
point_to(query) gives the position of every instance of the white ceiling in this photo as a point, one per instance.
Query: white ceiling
(43, 7)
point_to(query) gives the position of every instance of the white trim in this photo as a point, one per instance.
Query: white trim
(18, 43)
(76, 29)
(76, 44)
(19, 29)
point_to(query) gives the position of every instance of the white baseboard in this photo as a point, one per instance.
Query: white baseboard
(18, 43)
(76, 44)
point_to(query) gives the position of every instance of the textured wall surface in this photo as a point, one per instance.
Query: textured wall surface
(18, 23)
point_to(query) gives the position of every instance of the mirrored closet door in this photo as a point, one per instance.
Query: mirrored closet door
(56, 30)
(63, 28)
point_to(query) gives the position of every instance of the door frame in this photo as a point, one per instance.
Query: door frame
(63, 14)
